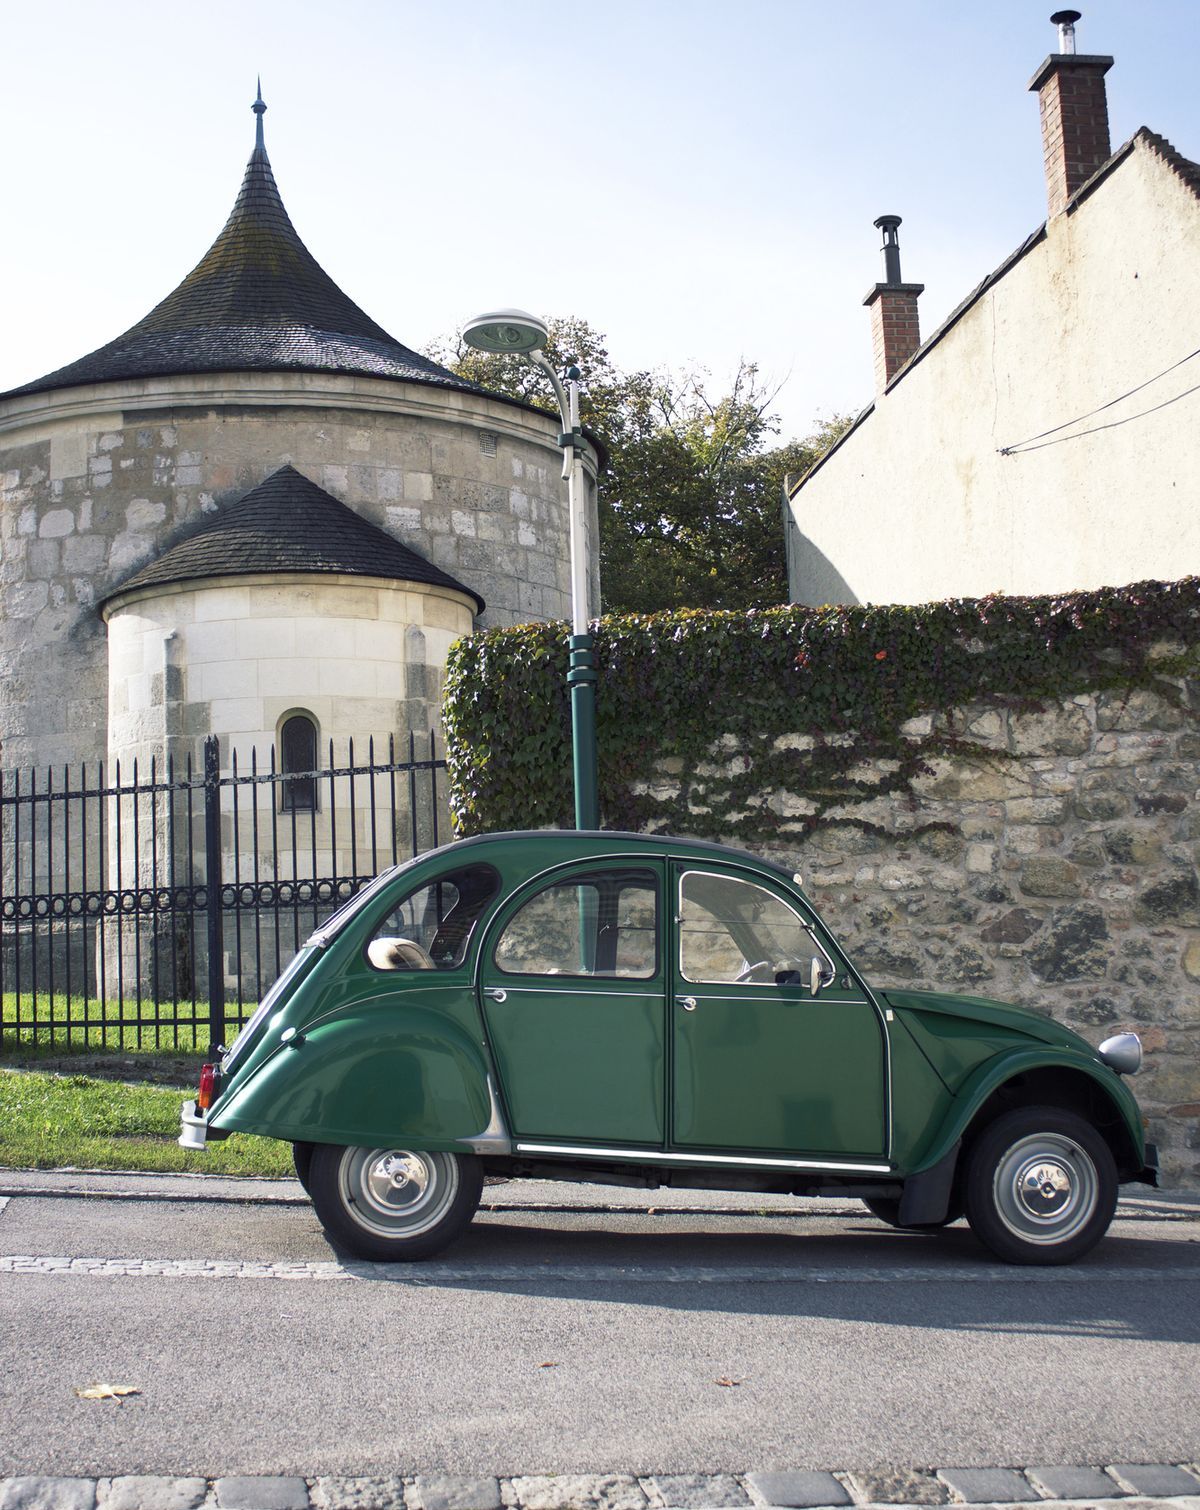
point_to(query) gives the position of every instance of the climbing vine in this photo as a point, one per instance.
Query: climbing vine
(703, 714)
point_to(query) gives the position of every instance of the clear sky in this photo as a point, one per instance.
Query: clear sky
(696, 179)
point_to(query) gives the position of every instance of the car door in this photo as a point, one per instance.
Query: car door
(760, 1063)
(573, 992)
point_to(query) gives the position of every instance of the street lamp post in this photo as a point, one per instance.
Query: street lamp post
(512, 332)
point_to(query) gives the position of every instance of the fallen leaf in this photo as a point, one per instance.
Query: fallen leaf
(547, 1365)
(728, 1383)
(107, 1391)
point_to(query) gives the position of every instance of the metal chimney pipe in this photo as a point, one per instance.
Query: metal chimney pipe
(1065, 21)
(891, 248)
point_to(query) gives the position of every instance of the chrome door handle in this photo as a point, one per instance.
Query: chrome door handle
(495, 993)
(688, 1003)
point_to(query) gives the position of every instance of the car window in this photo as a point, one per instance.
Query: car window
(733, 930)
(438, 918)
(600, 924)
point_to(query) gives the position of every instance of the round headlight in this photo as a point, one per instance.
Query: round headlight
(1122, 1053)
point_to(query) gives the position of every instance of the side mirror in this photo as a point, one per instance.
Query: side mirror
(818, 976)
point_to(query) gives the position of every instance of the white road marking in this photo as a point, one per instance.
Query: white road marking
(446, 1274)
(3, 1203)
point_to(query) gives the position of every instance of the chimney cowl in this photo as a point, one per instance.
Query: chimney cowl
(889, 225)
(1065, 21)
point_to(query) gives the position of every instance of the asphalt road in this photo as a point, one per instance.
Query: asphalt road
(848, 1345)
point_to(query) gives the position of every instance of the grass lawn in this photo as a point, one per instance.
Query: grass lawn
(85, 1091)
(85, 1118)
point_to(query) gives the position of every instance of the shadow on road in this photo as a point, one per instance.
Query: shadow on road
(942, 1281)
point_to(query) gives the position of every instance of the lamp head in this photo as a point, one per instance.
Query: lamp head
(506, 332)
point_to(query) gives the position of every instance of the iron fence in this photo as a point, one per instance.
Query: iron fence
(152, 906)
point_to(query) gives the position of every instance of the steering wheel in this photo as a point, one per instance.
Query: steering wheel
(751, 975)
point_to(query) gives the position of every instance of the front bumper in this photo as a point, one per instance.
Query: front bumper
(193, 1126)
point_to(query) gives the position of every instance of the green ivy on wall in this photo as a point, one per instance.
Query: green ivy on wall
(702, 700)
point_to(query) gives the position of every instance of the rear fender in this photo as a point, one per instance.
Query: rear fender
(371, 1074)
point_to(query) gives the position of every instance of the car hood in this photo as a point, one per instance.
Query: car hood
(990, 1014)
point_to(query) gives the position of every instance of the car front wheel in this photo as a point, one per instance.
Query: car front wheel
(1040, 1186)
(393, 1204)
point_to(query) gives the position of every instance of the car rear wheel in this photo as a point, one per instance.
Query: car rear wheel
(302, 1158)
(1040, 1186)
(393, 1204)
(887, 1209)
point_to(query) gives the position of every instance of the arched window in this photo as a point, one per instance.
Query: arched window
(298, 759)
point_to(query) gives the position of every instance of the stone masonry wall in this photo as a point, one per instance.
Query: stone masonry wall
(95, 482)
(1061, 875)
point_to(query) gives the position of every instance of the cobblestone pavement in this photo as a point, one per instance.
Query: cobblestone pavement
(446, 1273)
(1130, 1486)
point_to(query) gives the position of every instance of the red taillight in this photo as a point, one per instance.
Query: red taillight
(208, 1082)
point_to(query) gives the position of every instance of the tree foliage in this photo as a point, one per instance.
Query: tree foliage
(691, 498)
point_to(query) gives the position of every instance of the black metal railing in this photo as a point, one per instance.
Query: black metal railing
(152, 907)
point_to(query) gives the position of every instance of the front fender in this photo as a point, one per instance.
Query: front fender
(995, 1072)
(371, 1074)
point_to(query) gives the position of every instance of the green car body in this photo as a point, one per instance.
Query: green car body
(566, 1029)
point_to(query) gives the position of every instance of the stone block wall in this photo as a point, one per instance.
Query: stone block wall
(97, 481)
(1053, 863)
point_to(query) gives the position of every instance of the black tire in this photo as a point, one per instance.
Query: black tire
(302, 1158)
(393, 1205)
(1040, 1186)
(887, 1209)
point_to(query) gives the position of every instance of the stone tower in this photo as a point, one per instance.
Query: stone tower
(138, 464)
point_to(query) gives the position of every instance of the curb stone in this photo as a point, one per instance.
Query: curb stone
(799, 1489)
(1153, 1480)
(999, 1486)
(898, 1486)
(143, 1491)
(1073, 1483)
(451, 1491)
(1123, 1486)
(695, 1491)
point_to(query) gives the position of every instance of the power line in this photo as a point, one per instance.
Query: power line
(1031, 443)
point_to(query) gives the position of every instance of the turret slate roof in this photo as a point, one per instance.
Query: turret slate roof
(258, 300)
(288, 524)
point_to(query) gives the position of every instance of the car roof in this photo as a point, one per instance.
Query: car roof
(570, 838)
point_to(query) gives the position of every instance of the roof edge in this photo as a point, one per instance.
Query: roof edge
(252, 575)
(1187, 171)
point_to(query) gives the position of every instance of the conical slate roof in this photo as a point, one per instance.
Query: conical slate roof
(289, 524)
(258, 300)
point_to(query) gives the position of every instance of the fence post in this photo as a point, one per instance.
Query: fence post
(212, 879)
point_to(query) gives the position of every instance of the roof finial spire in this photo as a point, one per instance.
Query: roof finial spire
(259, 108)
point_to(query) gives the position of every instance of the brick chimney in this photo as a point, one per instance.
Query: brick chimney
(895, 328)
(1074, 111)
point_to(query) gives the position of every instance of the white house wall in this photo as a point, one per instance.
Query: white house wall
(919, 504)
